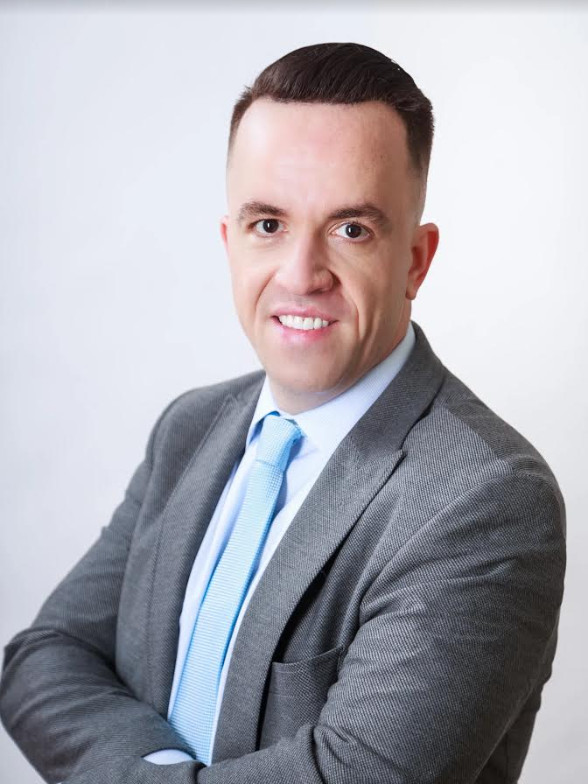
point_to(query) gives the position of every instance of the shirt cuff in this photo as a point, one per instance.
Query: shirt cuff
(168, 757)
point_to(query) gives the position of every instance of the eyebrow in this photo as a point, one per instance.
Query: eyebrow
(364, 210)
(252, 209)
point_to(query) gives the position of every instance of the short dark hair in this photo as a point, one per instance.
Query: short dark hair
(345, 73)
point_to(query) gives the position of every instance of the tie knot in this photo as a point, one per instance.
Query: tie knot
(278, 434)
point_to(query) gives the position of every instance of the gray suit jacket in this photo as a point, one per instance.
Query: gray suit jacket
(402, 632)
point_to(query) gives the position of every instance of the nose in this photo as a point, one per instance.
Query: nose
(304, 268)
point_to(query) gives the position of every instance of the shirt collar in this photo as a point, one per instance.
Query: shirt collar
(327, 425)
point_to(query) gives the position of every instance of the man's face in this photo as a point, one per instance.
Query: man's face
(323, 241)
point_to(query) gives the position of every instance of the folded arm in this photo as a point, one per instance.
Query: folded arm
(456, 637)
(60, 696)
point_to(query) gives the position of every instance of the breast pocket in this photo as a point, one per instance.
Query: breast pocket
(296, 694)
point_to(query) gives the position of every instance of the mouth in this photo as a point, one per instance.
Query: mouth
(302, 323)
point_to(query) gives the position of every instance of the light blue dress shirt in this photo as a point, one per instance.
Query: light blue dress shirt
(323, 429)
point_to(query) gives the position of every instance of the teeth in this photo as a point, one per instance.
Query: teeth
(297, 322)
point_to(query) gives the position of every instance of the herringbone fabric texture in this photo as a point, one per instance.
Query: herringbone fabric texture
(195, 705)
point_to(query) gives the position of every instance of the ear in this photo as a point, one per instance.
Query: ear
(425, 242)
(224, 229)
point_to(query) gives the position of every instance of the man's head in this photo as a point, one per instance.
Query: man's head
(328, 158)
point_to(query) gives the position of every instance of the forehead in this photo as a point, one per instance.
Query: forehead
(314, 151)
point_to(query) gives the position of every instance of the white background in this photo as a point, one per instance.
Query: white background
(115, 291)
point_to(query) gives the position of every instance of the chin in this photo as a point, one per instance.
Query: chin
(309, 390)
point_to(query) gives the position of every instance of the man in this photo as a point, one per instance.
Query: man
(346, 570)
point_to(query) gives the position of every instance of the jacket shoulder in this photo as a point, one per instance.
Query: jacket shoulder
(194, 401)
(187, 418)
(469, 444)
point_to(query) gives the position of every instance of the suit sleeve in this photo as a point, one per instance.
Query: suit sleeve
(60, 696)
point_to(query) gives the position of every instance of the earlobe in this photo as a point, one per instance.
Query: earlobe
(423, 250)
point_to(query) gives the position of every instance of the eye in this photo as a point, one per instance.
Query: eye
(267, 226)
(352, 231)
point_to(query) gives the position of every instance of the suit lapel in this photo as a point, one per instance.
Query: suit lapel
(360, 466)
(185, 519)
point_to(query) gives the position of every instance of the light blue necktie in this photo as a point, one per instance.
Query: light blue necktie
(195, 705)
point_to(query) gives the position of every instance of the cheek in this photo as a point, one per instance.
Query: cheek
(248, 283)
(363, 292)
(376, 297)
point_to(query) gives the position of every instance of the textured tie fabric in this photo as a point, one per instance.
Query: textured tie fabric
(195, 705)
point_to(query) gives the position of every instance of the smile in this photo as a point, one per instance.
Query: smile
(305, 323)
